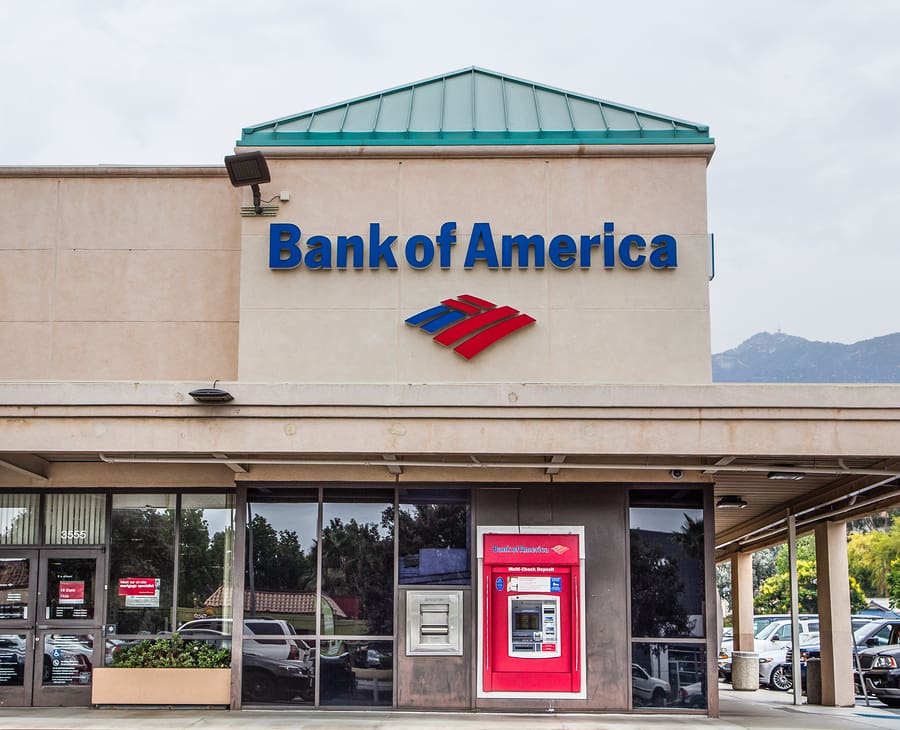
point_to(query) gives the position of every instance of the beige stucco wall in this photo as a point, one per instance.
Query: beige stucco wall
(594, 325)
(118, 273)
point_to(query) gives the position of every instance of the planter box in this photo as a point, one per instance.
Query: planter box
(121, 686)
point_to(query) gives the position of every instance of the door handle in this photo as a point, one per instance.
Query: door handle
(43, 626)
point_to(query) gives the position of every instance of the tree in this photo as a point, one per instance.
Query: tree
(774, 595)
(894, 583)
(869, 555)
(655, 582)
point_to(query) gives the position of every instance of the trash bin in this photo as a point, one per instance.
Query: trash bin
(814, 681)
(745, 670)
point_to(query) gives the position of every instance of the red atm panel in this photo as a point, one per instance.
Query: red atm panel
(531, 603)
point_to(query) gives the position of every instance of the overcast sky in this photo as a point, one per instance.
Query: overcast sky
(802, 96)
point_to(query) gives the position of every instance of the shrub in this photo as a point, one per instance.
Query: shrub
(172, 652)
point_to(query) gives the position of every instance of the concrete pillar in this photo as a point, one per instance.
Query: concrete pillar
(742, 601)
(835, 634)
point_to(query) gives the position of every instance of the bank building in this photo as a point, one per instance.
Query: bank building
(407, 406)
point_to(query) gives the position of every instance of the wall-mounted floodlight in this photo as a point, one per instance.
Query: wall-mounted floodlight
(249, 168)
(731, 501)
(211, 395)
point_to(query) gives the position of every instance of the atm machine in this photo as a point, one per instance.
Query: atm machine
(531, 628)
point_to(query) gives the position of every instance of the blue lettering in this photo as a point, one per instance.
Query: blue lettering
(445, 239)
(625, 251)
(664, 255)
(427, 251)
(379, 249)
(350, 243)
(563, 251)
(519, 250)
(587, 243)
(319, 254)
(481, 247)
(283, 239)
(609, 246)
(523, 244)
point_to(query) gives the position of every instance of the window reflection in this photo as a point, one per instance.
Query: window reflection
(68, 659)
(206, 556)
(667, 588)
(141, 563)
(281, 564)
(14, 588)
(358, 562)
(12, 660)
(356, 673)
(433, 529)
(668, 675)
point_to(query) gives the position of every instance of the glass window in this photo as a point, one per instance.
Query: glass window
(71, 586)
(12, 660)
(668, 675)
(141, 563)
(280, 581)
(358, 562)
(276, 679)
(67, 660)
(206, 555)
(15, 587)
(667, 544)
(433, 531)
(75, 519)
(19, 519)
(356, 673)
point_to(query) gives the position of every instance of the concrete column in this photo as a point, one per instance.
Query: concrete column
(835, 635)
(742, 600)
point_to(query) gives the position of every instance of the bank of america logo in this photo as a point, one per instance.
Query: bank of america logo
(469, 324)
(560, 549)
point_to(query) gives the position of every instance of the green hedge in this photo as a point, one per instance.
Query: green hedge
(172, 652)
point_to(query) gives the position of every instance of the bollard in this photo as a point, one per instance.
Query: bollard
(745, 670)
(814, 682)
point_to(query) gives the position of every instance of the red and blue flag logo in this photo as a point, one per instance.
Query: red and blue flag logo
(469, 324)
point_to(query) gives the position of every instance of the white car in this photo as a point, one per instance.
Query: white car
(772, 644)
(273, 646)
(648, 690)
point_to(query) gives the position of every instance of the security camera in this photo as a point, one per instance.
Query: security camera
(676, 474)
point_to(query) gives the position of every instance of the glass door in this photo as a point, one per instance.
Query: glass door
(18, 582)
(68, 639)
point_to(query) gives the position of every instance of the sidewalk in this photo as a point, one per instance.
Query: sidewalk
(760, 710)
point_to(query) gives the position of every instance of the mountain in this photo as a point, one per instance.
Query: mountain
(779, 358)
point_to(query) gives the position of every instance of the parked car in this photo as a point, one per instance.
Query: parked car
(867, 634)
(648, 690)
(276, 680)
(772, 643)
(274, 646)
(760, 622)
(881, 673)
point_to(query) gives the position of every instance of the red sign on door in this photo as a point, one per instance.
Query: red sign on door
(138, 586)
(71, 592)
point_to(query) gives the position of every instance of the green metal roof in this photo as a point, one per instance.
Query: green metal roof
(474, 106)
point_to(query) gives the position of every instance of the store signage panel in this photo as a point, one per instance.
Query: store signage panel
(71, 592)
(140, 592)
(290, 248)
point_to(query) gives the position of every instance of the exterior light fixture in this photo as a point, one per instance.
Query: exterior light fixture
(731, 501)
(249, 168)
(791, 476)
(211, 395)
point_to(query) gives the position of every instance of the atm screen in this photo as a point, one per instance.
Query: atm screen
(533, 626)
